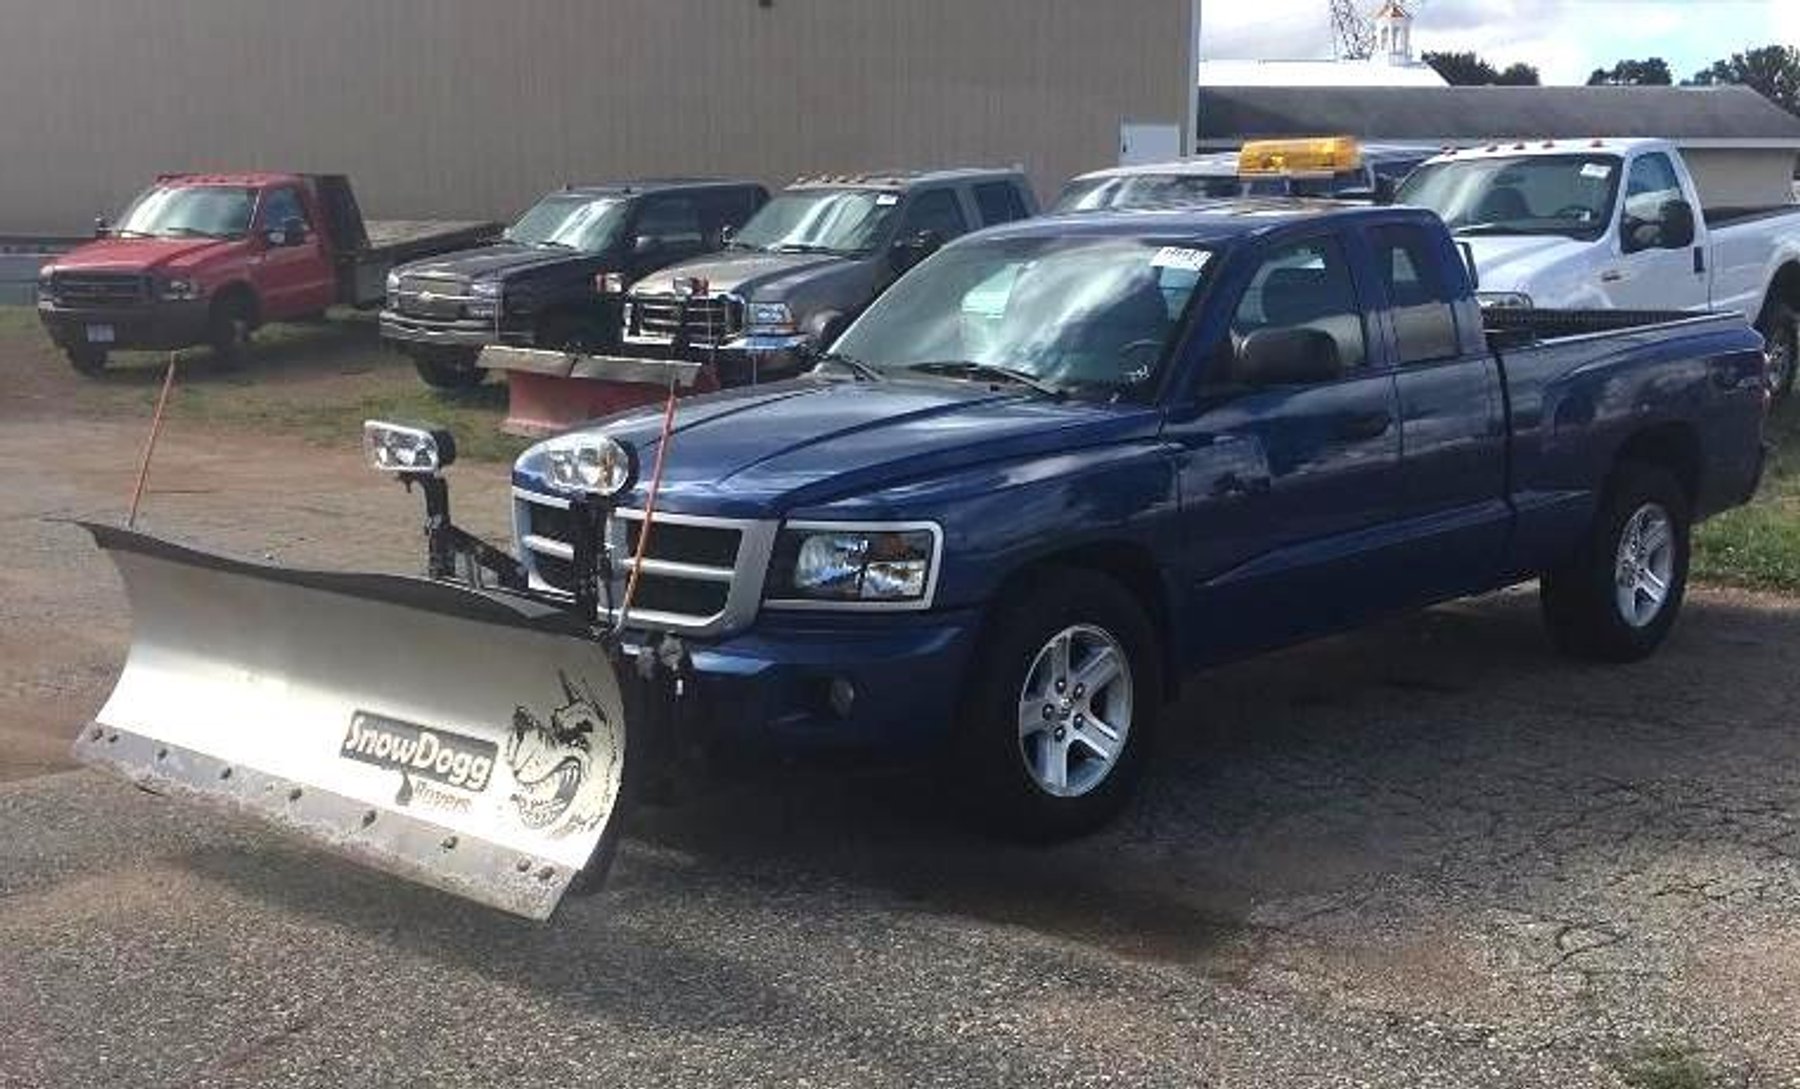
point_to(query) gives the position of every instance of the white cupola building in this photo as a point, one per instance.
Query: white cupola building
(1393, 35)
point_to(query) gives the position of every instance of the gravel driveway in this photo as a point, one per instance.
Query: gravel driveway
(1428, 854)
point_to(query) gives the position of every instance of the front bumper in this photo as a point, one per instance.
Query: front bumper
(771, 685)
(157, 326)
(440, 333)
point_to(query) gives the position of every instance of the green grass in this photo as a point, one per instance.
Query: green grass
(1758, 546)
(336, 418)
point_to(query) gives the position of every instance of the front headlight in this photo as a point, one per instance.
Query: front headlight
(1504, 300)
(771, 318)
(179, 290)
(847, 565)
(46, 284)
(407, 450)
(599, 464)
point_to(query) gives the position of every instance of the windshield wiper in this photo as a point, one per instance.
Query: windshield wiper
(191, 232)
(801, 247)
(552, 244)
(962, 368)
(863, 371)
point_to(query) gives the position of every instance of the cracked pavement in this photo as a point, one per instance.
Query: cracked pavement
(1430, 853)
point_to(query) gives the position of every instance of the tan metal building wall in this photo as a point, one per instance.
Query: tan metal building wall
(473, 107)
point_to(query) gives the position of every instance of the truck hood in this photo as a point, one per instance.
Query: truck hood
(762, 451)
(501, 260)
(140, 255)
(1520, 262)
(752, 275)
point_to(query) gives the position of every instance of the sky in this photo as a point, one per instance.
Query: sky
(1564, 39)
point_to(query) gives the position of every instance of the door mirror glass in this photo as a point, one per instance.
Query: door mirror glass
(1292, 356)
(913, 248)
(102, 227)
(1677, 228)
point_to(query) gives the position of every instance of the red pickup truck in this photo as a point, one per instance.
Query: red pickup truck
(206, 258)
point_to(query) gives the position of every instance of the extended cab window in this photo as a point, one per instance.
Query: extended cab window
(934, 210)
(1305, 285)
(1418, 298)
(999, 202)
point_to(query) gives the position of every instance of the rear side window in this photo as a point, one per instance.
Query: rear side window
(1305, 285)
(935, 210)
(1418, 298)
(999, 202)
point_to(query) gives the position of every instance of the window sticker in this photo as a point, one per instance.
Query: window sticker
(887, 200)
(1596, 170)
(1181, 257)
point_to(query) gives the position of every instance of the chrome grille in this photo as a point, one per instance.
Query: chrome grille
(99, 289)
(432, 296)
(703, 321)
(700, 574)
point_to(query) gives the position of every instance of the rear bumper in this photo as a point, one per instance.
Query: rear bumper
(771, 686)
(161, 326)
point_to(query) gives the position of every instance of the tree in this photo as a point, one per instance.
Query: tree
(1772, 71)
(1633, 73)
(1469, 70)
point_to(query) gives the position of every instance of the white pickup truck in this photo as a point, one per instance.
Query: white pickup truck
(1625, 224)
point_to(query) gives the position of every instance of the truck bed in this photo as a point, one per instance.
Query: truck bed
(400, 240)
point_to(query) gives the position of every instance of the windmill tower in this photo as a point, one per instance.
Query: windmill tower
(1352, 36)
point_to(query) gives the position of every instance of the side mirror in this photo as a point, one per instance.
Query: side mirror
(295, 229)
(102, 227)
(726, 234)
(1293, 356)
(1677, 225)
(912, 249)
(645, 244)
(1385, 189)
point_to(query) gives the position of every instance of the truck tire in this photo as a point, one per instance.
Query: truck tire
(1780, 327)
(449, 368)
(1617, 598)
(1061, 706)
(87, 360)
(228, 330)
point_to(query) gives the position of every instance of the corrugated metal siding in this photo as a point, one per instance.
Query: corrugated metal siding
(473, 107)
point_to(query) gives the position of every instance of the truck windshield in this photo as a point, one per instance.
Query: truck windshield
(189, 211)
(821, 221)
(570, 221)
(1145, 191)
(1091, 317)
(1527, 194)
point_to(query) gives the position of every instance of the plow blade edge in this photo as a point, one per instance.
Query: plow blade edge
(471, 741)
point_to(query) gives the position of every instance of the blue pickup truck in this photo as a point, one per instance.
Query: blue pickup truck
(1055, 467)
(1064, 462)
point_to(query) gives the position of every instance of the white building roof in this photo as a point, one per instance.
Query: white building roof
(1316, 73)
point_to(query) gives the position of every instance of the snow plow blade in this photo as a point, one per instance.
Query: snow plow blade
(468, 740)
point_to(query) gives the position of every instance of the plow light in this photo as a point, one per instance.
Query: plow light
(599, 464)
(409, 451)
